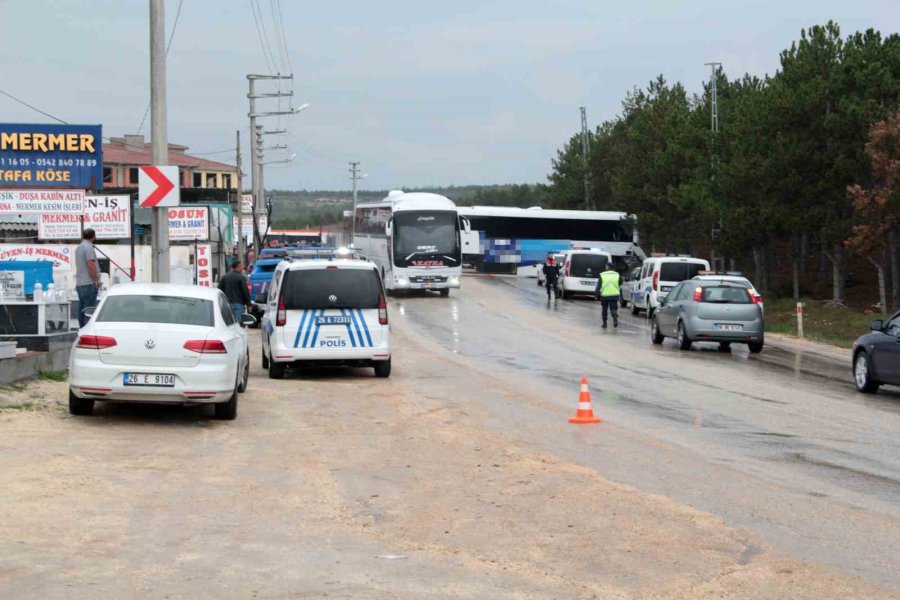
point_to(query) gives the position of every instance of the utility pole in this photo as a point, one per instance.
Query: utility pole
(585, 152)
(260, 198)
(159, 144)
(354, 175)
(714, 94)
(714, 126)
(256, 162)
(242, 251)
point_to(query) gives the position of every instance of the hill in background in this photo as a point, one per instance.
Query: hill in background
(296, 209)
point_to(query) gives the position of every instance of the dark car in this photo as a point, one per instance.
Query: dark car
(258, 282)
(876, 356)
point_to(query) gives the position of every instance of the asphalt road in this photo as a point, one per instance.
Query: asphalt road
(780, 443)
(712, 476)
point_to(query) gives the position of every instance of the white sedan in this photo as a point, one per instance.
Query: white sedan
(161, 343)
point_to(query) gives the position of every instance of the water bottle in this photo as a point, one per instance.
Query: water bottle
(38, 292)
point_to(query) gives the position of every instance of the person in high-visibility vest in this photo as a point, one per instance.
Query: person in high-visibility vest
(608, 293)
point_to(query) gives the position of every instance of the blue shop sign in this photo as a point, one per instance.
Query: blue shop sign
(57, 156)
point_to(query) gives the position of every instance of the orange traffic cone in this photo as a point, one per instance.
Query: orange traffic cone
(585, 412)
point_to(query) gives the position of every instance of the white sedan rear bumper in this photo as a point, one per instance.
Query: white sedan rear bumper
(93, 379)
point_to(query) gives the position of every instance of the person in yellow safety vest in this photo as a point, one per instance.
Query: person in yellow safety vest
(608, 293)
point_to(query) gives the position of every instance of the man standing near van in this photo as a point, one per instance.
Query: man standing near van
(608, 291)
(87, 275)
(551, 276)
(234, 285)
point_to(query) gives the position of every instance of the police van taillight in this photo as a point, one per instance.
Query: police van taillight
(656, 281)
(382, 311)
(281, 315)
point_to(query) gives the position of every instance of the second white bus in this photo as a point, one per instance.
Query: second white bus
(414, 239)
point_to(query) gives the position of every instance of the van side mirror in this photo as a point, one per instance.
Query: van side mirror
(467, 225)
(248, 320)
(89, 311)
(662, 301)
(876, 325)
(389, 228)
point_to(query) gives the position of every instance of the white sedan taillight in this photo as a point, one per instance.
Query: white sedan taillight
(205, 346)
(96, 342)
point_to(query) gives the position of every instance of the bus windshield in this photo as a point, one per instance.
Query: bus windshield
(426, 238)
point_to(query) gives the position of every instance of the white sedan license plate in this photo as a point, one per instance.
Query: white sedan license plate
(149, 379)
(728, 327)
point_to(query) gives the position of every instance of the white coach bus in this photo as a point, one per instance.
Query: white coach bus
(413, 238)
(502, 239)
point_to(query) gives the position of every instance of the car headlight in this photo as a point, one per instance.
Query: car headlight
(401, 281)
(454, 280)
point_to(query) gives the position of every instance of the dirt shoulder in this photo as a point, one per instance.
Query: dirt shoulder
(341, 485)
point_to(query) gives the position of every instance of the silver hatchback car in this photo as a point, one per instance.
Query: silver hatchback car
(710, 311)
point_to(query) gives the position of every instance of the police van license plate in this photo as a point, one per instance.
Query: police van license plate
(727, 327)
(149, 379)
(343, 320)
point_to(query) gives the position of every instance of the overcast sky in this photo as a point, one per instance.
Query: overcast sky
(420, 92)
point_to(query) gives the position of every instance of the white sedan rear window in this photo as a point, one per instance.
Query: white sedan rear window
(173, 310)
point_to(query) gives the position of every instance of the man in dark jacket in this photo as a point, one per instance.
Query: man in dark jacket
(551, 277)
(234, 285)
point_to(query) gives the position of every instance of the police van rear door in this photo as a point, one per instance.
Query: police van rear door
(332, 307)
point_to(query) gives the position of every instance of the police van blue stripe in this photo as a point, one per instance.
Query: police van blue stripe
(300, 329)
(309, 327)
(362, 342)
(366, 327)
(312, 344)
(349, 331)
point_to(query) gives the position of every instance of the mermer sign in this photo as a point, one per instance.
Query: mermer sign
(41, 201)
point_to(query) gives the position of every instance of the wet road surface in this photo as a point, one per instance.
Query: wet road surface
(779, 443)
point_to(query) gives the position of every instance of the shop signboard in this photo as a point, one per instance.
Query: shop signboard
(47, 155)
(12, 285)
(189, 224)
(108, 216)
(36, 202)
(204, 265)
(60, 256)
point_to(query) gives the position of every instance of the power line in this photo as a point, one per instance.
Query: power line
(168, 46)
(284, 37)
(262, 42)
(34, 108)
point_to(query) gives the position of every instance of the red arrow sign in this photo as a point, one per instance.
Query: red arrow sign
(164, 185)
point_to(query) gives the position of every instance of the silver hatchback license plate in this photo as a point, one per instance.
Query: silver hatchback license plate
(149, 379)
(728, 327)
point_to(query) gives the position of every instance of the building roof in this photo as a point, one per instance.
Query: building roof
(121, 153)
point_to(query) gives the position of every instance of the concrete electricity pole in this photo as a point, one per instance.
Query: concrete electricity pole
(354, 175)
(585, 153)
(242, 255)
(159, 144)
(714, 125)
(256, 145)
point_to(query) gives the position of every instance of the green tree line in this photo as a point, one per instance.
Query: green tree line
(777, 176)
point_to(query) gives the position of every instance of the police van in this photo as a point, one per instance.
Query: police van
(326, 312)
(581, 268)
(659, 274)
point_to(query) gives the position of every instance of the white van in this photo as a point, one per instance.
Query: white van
(328, 312)
(581, 270)
(659, 274)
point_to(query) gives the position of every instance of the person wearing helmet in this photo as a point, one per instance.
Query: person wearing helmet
(551, 276)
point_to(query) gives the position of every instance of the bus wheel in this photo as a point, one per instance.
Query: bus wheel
(445, 292)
